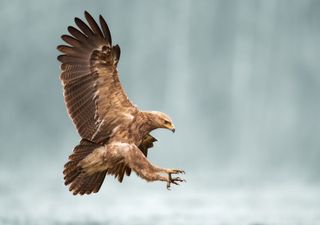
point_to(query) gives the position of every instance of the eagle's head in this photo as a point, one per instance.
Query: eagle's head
(161, 120)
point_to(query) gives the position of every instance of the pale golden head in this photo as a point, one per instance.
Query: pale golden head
(161, 120)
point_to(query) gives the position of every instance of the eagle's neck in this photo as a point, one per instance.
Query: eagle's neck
(148, 122)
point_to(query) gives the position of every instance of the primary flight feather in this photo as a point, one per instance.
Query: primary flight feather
(115, 133)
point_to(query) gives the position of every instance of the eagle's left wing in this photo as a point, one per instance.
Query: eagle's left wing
(94, 97)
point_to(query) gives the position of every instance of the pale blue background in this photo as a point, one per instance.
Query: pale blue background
(241, 80)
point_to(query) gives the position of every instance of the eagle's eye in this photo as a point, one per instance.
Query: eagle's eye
(166, 122)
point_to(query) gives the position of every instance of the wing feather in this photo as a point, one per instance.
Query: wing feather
(72, 59)
(71, 41)
(93, 24)
(74, 76)
(83, 27)
(94, 97)
(105, 30)
(72, 51)
(78, 35)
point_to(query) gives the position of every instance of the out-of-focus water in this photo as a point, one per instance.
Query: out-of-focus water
(39, 197)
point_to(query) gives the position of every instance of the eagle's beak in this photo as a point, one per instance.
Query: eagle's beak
(173, 129)
(170, 127)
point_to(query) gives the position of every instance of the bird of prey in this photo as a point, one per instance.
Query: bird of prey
(115, 133)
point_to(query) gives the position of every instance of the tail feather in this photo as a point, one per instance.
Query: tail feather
(99, 181)
(71, 176)
(86, 185)
(81, 183)
(92, 183)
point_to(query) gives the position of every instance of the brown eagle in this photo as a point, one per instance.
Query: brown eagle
(115, 133)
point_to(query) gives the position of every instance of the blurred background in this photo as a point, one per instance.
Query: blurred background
(240, 79)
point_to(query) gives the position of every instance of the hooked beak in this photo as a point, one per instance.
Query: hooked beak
(172, 128)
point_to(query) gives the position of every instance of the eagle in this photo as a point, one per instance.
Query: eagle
(115, 134)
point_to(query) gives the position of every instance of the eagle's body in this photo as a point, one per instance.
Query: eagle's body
(115, 133)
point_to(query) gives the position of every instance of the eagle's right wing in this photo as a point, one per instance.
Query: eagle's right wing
(147, 143)
(95, 100)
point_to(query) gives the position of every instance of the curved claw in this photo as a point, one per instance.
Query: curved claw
(181, 171)
(174, 180)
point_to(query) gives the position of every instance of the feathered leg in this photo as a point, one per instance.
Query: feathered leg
(136, 160)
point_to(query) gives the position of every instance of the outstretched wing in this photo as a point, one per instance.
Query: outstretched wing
(95, 100)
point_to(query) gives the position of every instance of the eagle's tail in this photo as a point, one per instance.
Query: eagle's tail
(79, 182)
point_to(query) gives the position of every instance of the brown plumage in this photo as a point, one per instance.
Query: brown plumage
(115, 133)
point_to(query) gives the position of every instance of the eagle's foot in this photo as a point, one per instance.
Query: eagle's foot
(174, 180)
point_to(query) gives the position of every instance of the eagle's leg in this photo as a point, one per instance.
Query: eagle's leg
(152, 173)
(135, 159)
